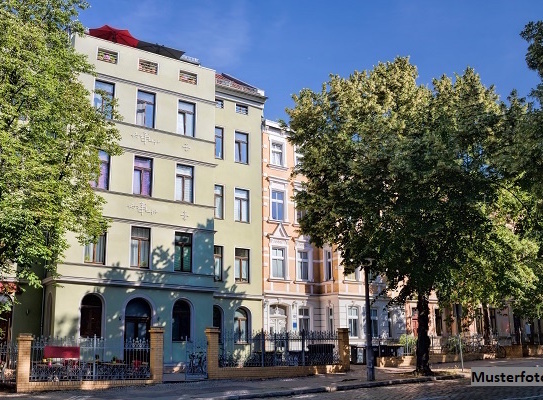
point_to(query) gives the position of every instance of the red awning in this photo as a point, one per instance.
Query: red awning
(121, 36)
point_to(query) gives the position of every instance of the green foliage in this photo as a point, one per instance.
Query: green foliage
(49, 137)
(407, 340)
(402, 174)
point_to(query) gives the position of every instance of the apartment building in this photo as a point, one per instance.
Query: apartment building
(183, 249)
(305, 287)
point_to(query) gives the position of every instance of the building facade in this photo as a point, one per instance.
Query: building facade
(305, 287)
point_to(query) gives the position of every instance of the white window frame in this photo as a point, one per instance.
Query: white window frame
(284, 260)
(279, 186)
(354, 320)
(184, 177)
(328, 265)
(304, 314)
(299, 263)
(186, 129)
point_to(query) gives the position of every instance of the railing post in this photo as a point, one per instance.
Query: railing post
(156, 353)
(212, 335)
(263, 347)
(24, 360)
(303, 347)
(343, 344)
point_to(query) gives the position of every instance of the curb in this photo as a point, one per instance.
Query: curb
(332, 388)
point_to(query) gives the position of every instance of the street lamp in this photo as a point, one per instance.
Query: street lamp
(370, 367)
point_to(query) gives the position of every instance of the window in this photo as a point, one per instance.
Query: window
(241, 150)
(103, 95)
(219, 103)
(181, 321)
(143, 168)
(374, 323)
(91, 316)
(107, 56)
(328, 265)
(277, 205)
(278, 263)
(353, 276)
(330, 319)
(277, 154)
(297, 157)
(303, 319)
(183, 252)
(219, 201)
(187, 77)
(145, 111)
(217, 253)
(300, 213)
(242, 109)
(217, 320)
(219, 143)
(185, 118)
(183, 183)
(303, 265)
(103, 179)
(439, 321)
(241, 325)
(139, 247)
(96, 252)
(352, 315)
(241, 205)
(242, 265)
(148, 66)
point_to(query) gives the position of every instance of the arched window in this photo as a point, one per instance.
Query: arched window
(137, 319)
(181, 321)
(91, 316)
(241, 325)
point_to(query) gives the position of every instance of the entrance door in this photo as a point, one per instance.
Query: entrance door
(137, 323)
(415, 321)
(278, 319)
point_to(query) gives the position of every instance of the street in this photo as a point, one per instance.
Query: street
(440, 390)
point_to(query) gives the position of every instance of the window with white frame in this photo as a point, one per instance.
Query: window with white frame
(297, 157)
(328, 265)
(184, 183)
(277, 154)
(219, 201)
(352, 319)
(145, 109)
(104, 93)
(302, 258)
(303, 319)
(374, 323)
(277, 205)
(217, 254)
(352, 276)
(330, 319)
(241, 205)
(242, 109)
(278, 263)
(185, 118)
(219, 103)
(219, 143)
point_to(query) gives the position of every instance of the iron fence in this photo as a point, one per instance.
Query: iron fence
(93, 359)
(8, 361)
(265, 349)
(196, 367)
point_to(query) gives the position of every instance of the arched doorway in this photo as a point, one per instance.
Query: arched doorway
(91, 316)
(137, 319)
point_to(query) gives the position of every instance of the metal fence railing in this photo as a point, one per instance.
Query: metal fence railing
(265, 349)
(8, 361)
(94, 359)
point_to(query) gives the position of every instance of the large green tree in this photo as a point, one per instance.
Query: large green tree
(50, 136)
(398, 172)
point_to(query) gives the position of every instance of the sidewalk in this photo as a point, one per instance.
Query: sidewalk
(267, 388)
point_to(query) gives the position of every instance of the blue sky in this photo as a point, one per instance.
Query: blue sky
(284, 46)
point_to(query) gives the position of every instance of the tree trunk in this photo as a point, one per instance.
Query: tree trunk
(423, 340)
(486, 324)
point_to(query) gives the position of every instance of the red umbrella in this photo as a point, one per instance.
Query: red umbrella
(121, 36)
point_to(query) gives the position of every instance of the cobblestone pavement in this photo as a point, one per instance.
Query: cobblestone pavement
(440, 390)
(350, 385)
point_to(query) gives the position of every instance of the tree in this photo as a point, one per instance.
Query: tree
(398, 172)
(49, 138)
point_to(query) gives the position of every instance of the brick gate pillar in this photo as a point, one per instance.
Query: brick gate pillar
(212, 335)
(157, 353)
(24, 358)
(344, 348)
